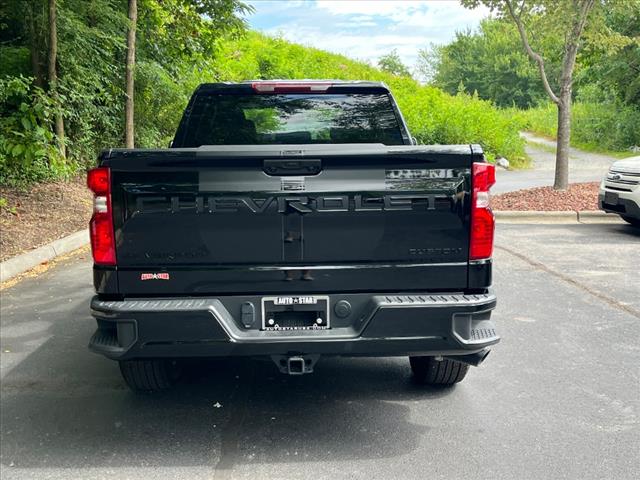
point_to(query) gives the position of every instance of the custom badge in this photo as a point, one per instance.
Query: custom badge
(154, 276)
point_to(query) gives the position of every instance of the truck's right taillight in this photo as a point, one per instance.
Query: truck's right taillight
(482, 219)
(101, 225)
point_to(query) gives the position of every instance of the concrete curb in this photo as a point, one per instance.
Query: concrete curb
(26, 261)
(533, 216)
(598, 217)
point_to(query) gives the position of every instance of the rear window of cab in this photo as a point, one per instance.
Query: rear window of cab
(293, 118)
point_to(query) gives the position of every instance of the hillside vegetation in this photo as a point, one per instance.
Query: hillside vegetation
(94, 111)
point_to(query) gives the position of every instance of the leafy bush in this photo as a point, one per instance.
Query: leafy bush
(28, 152)
(14, 60)
(159, 102)
(436, 117)
(594, 126)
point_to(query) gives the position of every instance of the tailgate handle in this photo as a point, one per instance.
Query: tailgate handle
(305, 166)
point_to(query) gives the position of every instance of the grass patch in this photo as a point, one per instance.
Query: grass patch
(607, 128)
(595, 148)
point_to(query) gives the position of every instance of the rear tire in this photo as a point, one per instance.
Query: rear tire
(429, 371)
(148, 376)
(633, 221)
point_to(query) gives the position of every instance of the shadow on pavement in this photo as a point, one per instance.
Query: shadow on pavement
(63, 406)
(627, 229)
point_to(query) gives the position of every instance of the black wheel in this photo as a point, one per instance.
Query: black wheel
(633, 221)
(149, 375)
(429, 371)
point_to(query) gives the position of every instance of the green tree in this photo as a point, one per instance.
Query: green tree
(564, 19)
(174, 31)
(392, 64)
(489, 61)
(177, 41)
(611, 55)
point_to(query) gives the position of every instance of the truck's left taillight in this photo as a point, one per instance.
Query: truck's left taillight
(103, 243)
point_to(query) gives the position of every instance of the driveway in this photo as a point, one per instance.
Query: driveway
(583, 167)
(557, 398)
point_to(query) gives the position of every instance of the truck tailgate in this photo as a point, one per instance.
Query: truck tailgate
(291, 218)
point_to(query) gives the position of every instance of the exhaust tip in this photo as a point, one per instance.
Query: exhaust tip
(484, 354)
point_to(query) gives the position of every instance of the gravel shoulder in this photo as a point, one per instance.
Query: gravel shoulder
(43, 213)
(578, 197)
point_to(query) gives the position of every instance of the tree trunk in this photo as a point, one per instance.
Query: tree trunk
(563, 101)
(53, 76)
(561, 181)
(34, 49)
(131, 62)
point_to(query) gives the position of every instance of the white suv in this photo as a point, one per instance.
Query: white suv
(620, 190)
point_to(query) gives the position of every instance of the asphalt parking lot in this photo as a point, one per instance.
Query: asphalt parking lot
(559, 397)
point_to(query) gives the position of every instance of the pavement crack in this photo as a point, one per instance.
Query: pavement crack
(565, 278)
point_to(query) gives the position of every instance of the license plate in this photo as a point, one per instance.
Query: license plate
(288, 313)
(610, 198)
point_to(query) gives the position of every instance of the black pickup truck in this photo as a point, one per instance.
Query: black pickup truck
(292, 219)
